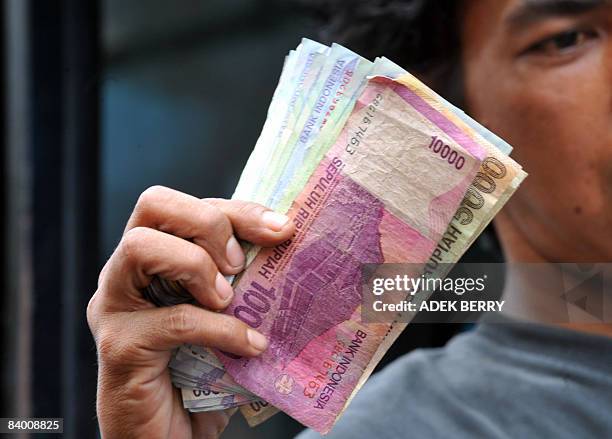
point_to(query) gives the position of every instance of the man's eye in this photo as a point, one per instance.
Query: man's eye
(562, 42)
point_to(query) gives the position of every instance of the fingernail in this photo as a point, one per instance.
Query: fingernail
(274, 220)
(223, 287)
(234, 253)
(257, 340)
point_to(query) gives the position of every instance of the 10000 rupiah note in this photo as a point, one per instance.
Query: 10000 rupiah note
(380, 194)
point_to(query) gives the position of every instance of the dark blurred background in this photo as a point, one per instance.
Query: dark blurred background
(101, 99)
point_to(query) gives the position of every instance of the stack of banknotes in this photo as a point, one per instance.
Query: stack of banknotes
(372, 167)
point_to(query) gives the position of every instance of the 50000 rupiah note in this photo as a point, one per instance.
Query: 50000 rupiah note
(381, 194)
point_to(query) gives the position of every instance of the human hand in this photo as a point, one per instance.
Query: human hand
(182, 238)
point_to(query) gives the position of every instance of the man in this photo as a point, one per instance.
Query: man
(536, 72)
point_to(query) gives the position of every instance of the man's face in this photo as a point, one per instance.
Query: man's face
(539, 74)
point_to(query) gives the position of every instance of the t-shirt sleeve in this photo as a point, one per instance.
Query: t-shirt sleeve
(382, 409)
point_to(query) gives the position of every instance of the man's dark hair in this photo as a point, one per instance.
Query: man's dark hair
(420, 35)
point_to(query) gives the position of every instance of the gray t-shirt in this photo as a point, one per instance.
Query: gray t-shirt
(501, 380)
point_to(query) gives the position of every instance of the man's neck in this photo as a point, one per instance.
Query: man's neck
(535, 288)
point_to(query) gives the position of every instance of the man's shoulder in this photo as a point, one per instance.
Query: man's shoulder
(501, 382)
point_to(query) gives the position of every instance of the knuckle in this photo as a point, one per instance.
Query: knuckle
(199, 259)
(102, 273)
(250, 210)
(217, 202)
(111, 349)
(230, 330)
(92, 312)
(152, 195)
(105, 345)
(214, 221)
(133, 242)
(181, 319)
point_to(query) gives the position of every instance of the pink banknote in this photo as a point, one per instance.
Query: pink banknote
(385, 192)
